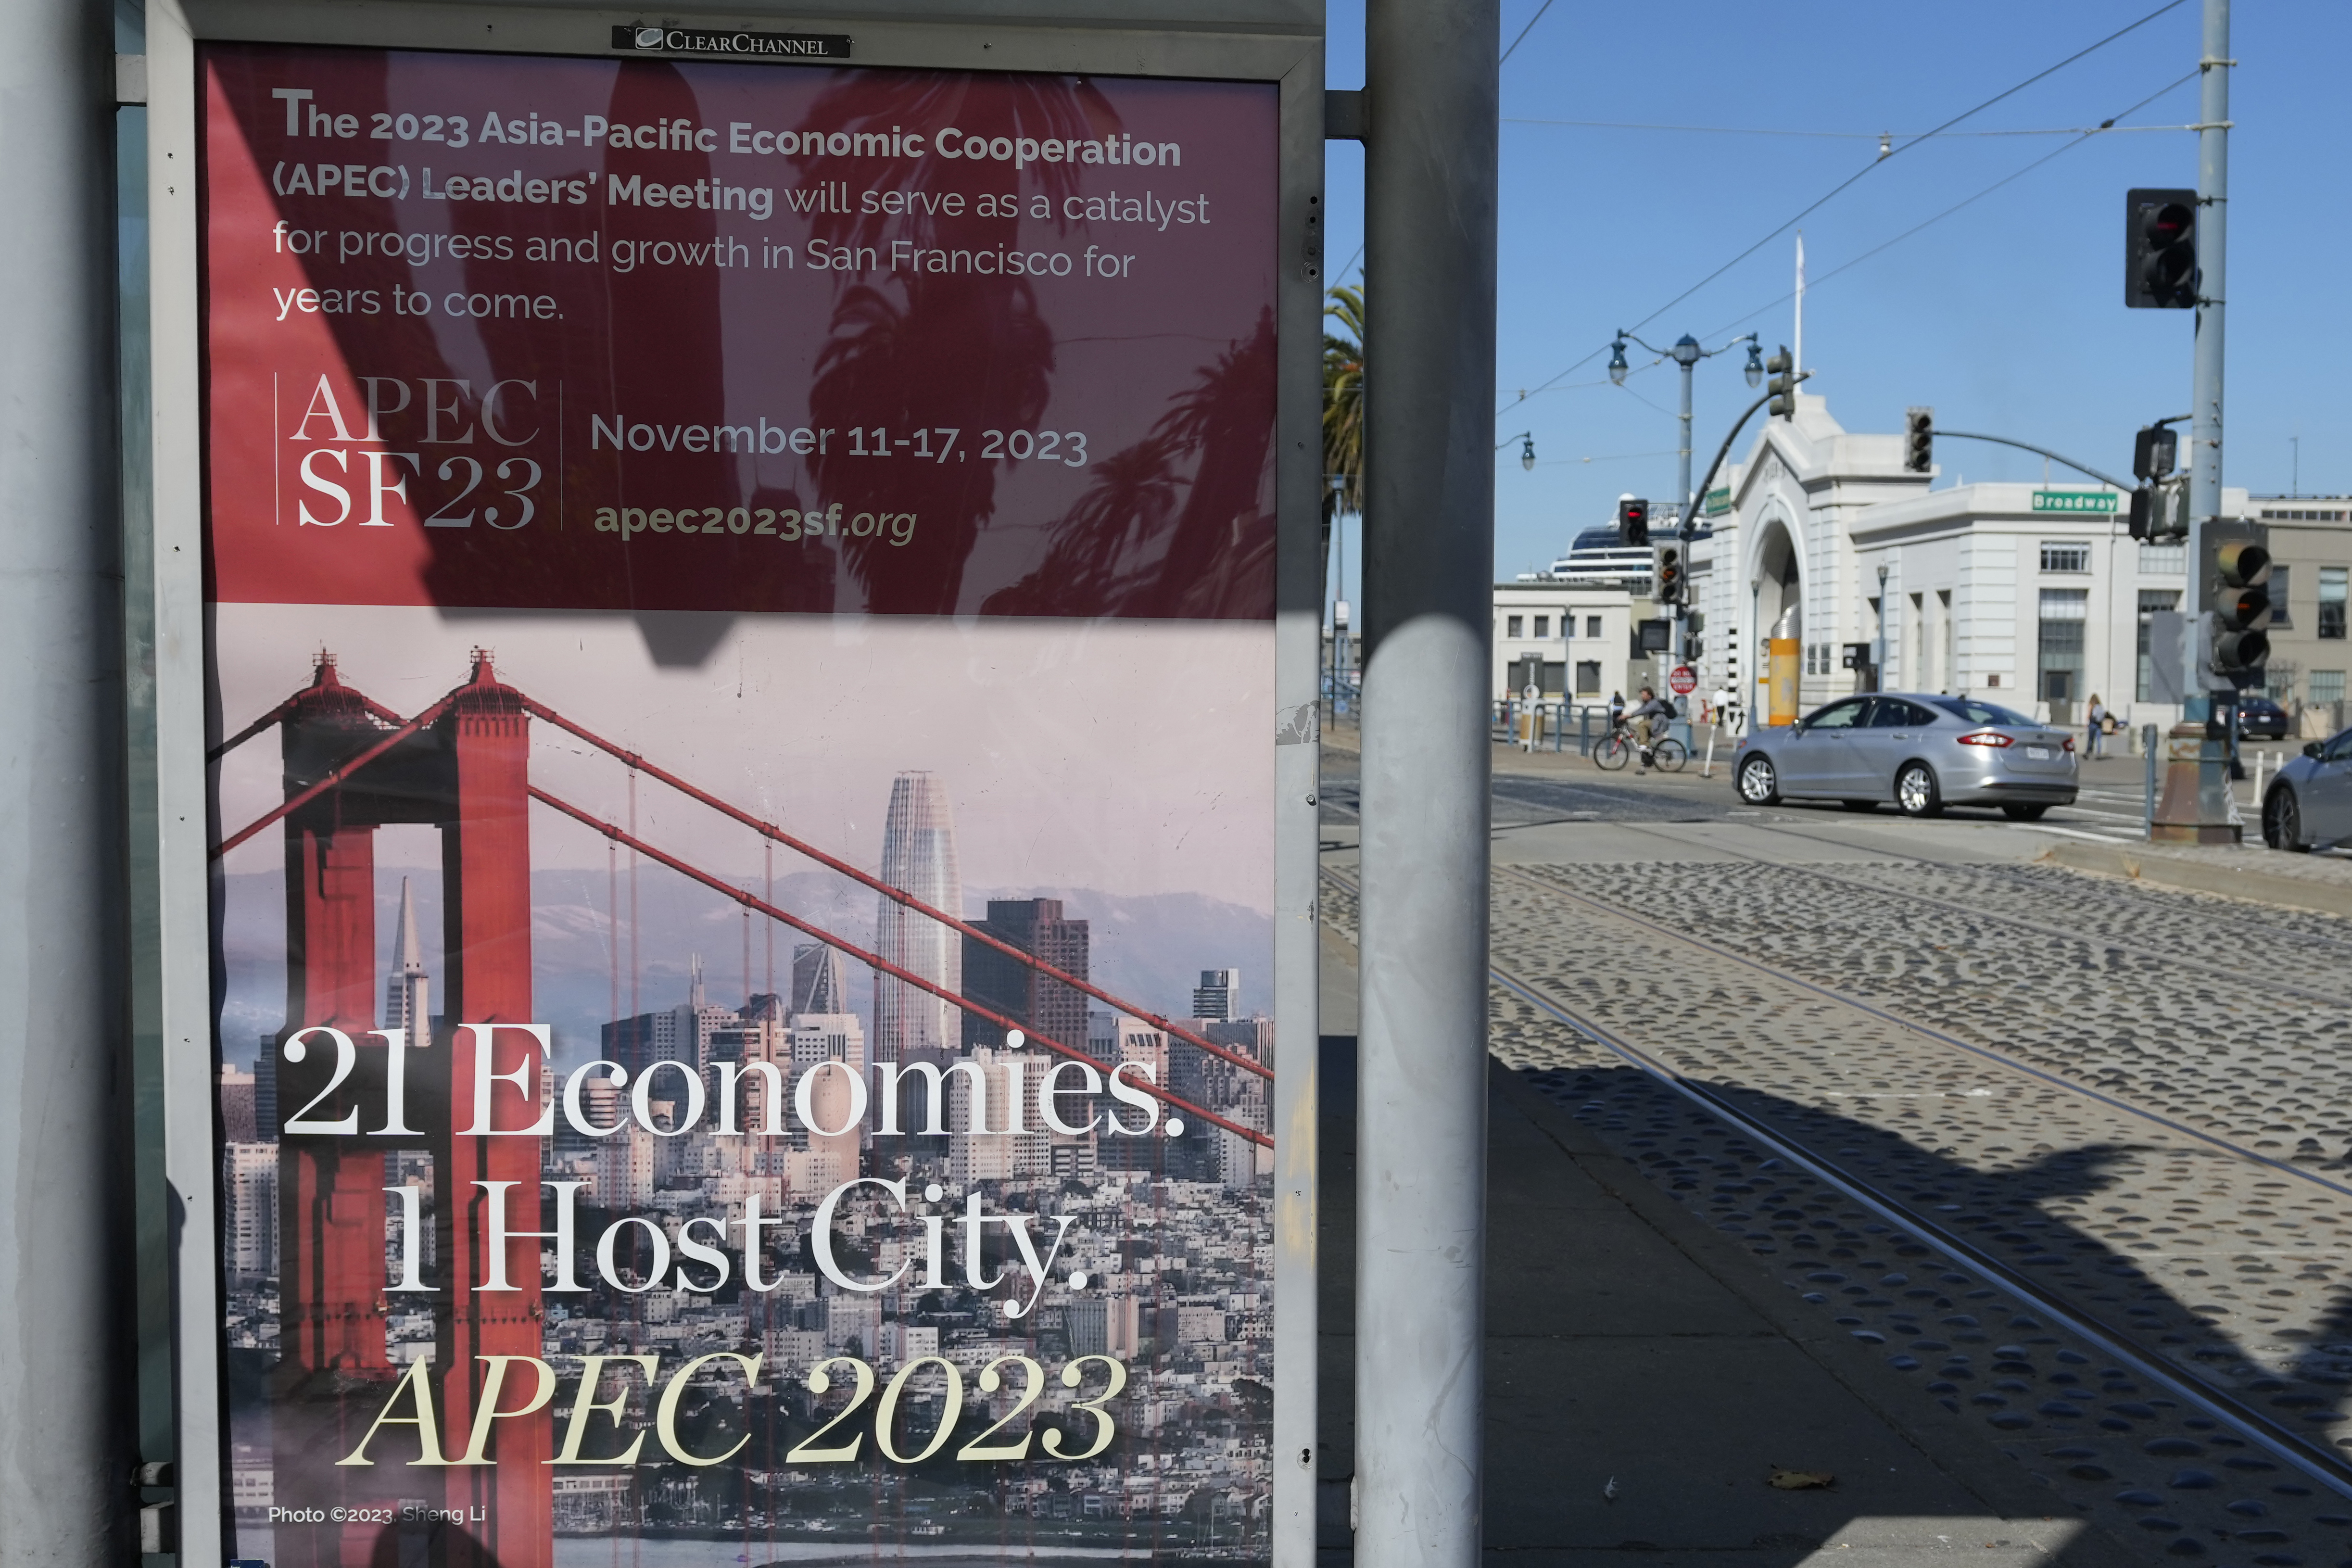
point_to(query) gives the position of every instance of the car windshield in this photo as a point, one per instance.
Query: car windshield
(1971, 712)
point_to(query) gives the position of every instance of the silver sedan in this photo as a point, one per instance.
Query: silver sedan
(1920, 750)
(2310, 805)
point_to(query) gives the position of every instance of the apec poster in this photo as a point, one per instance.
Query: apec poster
(742, 675)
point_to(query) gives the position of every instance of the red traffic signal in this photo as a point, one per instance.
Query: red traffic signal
(2161, 250)
(1632, 520)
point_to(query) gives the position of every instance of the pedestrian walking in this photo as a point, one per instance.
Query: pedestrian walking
(1616, 709)
(2098, 717)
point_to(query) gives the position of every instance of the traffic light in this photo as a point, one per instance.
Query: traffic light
(2159, 511)
(2155, 450)
(1669, 584)
(2234, 577)
(2160, 249)
(1632, 520)
(1783, 384)
(1919, 440)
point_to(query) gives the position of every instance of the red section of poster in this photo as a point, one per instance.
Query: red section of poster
(653, 335)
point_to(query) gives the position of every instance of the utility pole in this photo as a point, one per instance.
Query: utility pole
(2201, 815)
(65, 1269)
(1432, 69)
(1687, 353)
(2212, 287)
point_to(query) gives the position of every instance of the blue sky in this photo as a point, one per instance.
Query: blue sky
(2005, 318)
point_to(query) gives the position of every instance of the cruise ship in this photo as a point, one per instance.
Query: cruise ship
(1599, 558)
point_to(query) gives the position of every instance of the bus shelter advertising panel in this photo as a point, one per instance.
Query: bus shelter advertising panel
(741, 630)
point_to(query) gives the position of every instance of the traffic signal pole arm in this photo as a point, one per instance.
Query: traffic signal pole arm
(1725, 450)
(2041, 451)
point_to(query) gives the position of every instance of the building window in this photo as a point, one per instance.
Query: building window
(2278, 587)
(1511, 624)
(2150, 602)
(2163, 560)
(1543, 627)
(2065, 555)
(2331, 601)
(2063, 613)
(1542, 674)
(1588, 678)
(1592, 625)
(2326, 686)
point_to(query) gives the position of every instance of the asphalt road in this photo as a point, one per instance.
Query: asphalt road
(1538, 786)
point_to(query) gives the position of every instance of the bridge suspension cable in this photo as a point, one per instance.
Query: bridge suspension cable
(750, 901)
(897, 895)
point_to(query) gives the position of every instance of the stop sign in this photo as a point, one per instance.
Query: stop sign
(1682, 681)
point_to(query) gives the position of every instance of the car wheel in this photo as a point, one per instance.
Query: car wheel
(1759, 785)
(1916, 793)
(1859, 804)
(2282, 821)
(2023, 812)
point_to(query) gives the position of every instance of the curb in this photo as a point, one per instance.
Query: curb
(2258, 887)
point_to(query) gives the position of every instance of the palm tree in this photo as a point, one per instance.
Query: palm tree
(1343, 408)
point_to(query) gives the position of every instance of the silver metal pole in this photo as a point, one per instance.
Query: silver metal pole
(1682, 459)
(1428, 555)
(2212, 226)
(1686, 517)
(68, 1357)
(2214, 754)
(2212, 286)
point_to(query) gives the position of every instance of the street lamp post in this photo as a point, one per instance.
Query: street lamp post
(1878, 659)
(1686, 352)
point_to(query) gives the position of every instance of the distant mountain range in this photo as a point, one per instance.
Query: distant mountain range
(1148, 950)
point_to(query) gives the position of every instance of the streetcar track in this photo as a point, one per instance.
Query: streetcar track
(2012, 873)
(2320, 1464)
(2174, 959)
(1924, 1031)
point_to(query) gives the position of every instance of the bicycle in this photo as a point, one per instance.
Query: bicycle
(1665, 753)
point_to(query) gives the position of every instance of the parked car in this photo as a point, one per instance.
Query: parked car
(2309, 805)
(2260, 718)
(1921, 751)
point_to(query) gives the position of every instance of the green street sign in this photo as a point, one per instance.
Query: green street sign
(2102, 502)
(1717, 502)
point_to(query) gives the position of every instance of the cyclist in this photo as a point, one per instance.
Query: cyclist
(1649, 713)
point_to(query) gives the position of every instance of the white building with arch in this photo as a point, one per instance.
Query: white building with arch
(2028, 594)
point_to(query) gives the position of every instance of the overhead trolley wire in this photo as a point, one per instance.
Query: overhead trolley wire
(1903, 136)
(1525, 30)
(2110, 125)
(1841, 185)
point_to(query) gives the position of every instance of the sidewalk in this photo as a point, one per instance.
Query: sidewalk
(2247, 870)
(1629, 1345)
